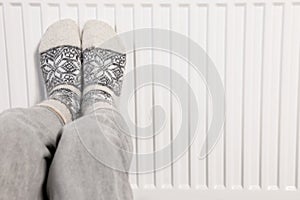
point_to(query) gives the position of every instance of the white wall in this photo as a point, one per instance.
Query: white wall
(255, 46)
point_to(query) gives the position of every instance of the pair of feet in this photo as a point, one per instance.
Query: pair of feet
(82, 72)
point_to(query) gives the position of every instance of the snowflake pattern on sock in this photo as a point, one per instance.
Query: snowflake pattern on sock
(61, 65)
(102, 67)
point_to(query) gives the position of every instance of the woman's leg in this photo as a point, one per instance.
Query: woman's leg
(92, 160)
(28, 136)
(27, 141)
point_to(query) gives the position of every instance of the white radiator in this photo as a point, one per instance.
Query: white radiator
(255, 46)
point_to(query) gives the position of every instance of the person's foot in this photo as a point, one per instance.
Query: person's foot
(60, 59)
(103, 66)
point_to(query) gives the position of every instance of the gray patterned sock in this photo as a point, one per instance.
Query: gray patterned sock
(103, 67)
(60, 58)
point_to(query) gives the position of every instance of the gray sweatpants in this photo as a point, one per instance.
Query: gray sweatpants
(42, 159)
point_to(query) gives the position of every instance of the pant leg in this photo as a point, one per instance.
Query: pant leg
(89, 163)
(27, 140)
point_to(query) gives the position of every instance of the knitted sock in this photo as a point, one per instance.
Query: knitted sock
(60, 58)
(103, 66)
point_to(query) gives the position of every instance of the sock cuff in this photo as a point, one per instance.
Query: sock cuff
(101, 88)
(59, 108)
(96, 106)
(97, 97)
